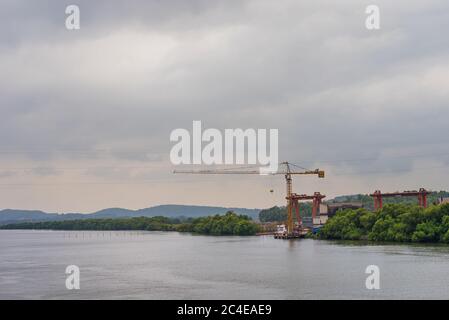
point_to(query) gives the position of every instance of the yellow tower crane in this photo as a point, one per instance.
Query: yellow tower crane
(286, 171)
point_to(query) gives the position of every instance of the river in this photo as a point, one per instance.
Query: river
(170, 265)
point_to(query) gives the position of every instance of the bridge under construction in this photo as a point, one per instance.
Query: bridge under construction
(297, 230)
(421, 194)
(292, 231)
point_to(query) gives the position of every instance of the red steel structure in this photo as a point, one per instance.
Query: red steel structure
(316, 201)
(421, 194)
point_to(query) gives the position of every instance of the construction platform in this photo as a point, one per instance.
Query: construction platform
(289, 236)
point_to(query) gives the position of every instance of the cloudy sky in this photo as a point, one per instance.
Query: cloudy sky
(86, 115)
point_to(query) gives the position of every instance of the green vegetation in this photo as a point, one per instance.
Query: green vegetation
(368, 202)
(395, 222)
(139, 223)
(228, 224)
(273, 214)
(279, 214)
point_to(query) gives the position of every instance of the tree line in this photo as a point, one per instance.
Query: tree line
(279, 214)
(394, 222)
(227, 224)
(368, 202)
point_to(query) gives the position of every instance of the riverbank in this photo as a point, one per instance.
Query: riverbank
(228, 224)
(393, 223)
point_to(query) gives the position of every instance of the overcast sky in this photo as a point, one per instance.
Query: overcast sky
(86, 115)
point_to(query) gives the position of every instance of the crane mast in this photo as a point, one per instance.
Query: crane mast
(288, 179)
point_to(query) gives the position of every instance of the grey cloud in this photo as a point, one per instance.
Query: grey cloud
(45, 171)
(138, 69)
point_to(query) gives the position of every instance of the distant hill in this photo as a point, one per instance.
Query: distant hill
(13, 216)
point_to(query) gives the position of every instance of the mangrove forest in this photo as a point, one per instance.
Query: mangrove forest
(227, 224)
(394, 222)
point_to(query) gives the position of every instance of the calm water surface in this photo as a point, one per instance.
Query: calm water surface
(166, 265)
